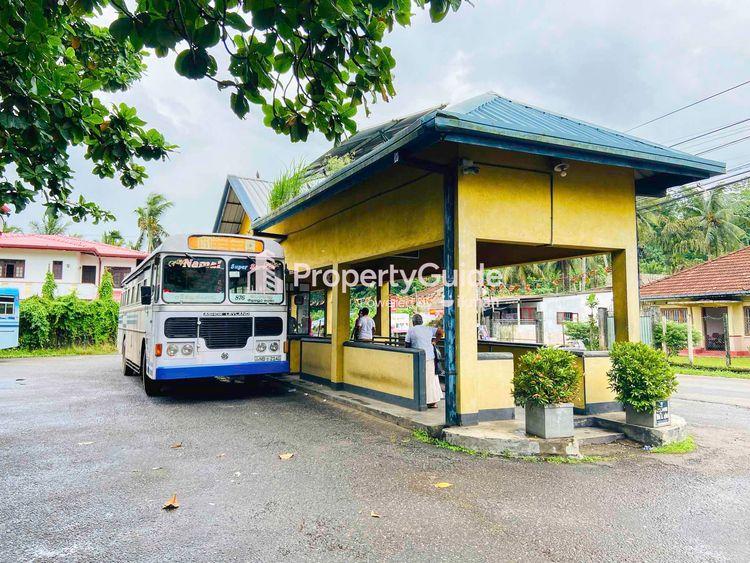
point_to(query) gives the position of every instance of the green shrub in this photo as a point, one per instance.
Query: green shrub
(676, 337)
(545, 377)
(106, 286)
(49, 286)
(34, 329)
(640, 375)
(587, 332)
(104, 313)
(69, 320)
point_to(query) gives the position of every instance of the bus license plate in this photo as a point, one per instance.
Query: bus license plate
(267, 358)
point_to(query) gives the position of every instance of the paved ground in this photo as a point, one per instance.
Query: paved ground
(86, 464)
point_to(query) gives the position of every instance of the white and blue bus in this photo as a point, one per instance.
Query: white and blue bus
(9, 317)
(205, 305)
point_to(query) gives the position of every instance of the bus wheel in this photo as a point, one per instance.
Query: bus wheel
(150, 386)
(126, 369)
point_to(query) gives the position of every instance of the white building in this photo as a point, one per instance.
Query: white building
(541, 318)
(76, 264)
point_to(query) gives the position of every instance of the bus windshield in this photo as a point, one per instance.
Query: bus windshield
(188, 279)
(256, 280)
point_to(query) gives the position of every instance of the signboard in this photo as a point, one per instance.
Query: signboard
(661, 414)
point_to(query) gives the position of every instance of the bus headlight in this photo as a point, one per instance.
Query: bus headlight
(274, 347)
(261, 347)
(187, 350)
(172, 350)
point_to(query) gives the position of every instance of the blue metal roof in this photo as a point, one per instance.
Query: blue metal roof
(493, 121)
(248, 195)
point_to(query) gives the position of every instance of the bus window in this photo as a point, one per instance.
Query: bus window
(254, 280)
(193, 280)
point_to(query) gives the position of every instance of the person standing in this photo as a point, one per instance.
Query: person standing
(364, 326)
(420, 337)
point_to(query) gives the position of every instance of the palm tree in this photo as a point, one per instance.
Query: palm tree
(712, 219)
(50, 225)
(113, 237)
(149, 221)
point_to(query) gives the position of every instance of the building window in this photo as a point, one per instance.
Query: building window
(57, 269)
(12, 268)
(566, 317)
(88, 274)
(747, 320)
(118, 274)
(6, 306)
(675, 315)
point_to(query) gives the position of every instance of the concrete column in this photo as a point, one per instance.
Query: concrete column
(466, 329)
(626, 295)
(384, 310)
(339, 328)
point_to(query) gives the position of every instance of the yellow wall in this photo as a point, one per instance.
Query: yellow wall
(316, 359)
(294, 356)
(595, 378)
(380, 370)
(494, 378)
(368, 221)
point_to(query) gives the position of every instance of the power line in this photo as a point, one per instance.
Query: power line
(695, 192)
(694, 188)
(687, 106)
(724, 145)
(710, 132)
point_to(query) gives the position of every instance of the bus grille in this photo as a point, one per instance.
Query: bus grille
(181, 327)
(226, 332)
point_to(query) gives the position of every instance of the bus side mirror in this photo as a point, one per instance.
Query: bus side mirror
(145, 295)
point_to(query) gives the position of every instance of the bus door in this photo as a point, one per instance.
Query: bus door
(9, 318)
(298, 312)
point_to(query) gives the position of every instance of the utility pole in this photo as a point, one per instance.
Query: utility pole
(690, 334)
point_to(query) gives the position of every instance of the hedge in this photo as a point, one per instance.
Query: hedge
(66, 321)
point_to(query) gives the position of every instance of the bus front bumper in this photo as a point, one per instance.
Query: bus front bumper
(164, 373)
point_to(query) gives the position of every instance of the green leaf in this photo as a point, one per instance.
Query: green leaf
(237, 22)
(345, 6)
(283, 62)
(192, 64)
(264, 19)
(239, 104)
(94, 119)
(207, 35)
(121, 28)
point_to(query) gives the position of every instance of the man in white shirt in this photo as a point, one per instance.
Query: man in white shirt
(420, 337)
(364, 327)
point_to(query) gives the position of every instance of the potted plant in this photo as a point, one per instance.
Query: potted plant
(545, 383)
(643, 381)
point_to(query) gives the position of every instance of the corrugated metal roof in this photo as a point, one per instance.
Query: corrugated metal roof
(494, 121)
(68, 244)
(524, 122)
(241, 195)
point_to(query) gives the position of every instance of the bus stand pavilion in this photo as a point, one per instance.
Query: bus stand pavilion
(486, 182)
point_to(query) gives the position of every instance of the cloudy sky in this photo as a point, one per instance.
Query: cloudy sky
(613, 63)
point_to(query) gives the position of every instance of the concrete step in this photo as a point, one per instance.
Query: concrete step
(583, 421)
(589, 436)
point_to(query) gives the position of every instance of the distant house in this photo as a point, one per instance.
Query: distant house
(76, 264)
(541, 318)
(243, 201)
(709, 293)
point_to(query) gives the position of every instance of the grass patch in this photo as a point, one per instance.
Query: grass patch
(92, 350)
(557, 459)
(682, 369)
(425, 438)
(685, 446)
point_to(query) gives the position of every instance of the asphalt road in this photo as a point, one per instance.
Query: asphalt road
(86, 465)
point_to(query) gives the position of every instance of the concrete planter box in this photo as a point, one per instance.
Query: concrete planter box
(653, 419)
(550, 421)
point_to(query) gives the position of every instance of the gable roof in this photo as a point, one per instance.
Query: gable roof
(67, 244)
(494, 121)
(241, 195)
(723, 276)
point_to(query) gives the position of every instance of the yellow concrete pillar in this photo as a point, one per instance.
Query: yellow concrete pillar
(466, 328)
(384, 310)
(339, 328)
(626, 295)
(329, 311)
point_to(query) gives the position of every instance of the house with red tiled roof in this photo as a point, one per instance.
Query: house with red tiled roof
(714, 296)
(76, 264)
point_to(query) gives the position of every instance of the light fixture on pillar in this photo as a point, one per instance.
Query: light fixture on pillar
(562, 169)
(468, 167)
